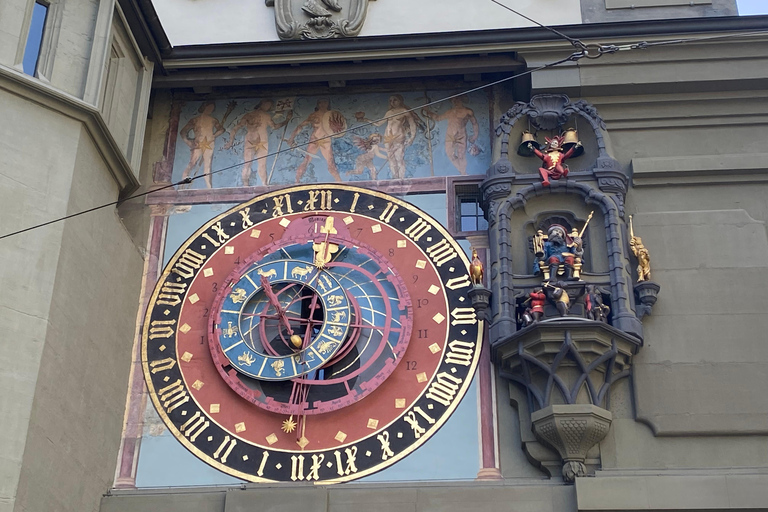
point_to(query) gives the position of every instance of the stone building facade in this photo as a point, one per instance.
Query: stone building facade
(657, 405)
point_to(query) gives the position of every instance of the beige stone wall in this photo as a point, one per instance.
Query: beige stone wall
(28, 273)
(77, 414)
(71, 288)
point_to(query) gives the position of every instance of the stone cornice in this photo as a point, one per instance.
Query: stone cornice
(47, 96)
(433, 44)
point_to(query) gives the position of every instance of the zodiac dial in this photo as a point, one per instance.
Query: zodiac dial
(311, 334)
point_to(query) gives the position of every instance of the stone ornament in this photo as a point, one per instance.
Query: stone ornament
(572, 430)
(318, 19)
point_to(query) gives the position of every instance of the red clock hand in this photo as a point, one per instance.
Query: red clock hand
(276, 303)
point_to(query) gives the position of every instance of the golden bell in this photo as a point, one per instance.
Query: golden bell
(570, 139)
(528, 138)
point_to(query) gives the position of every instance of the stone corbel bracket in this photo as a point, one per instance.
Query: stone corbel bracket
(567, 367)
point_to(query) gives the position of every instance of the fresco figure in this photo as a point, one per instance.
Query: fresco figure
(256, 140)
(402, 126)
(205, 128)
(324, 123)
(371, 148)
(456, 143)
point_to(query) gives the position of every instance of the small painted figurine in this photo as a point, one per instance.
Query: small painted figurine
(559, 249)
(561, 298)
(641, 253)
(596, 310)
(643, 258)
(553, 158)
(538, 298)
(476, 269)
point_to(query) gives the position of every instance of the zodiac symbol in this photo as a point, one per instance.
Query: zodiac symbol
(279, 367)
(231, 330)
(270, 273)
(301, 271)
(246, 359)
(237, 296)
(338, 316)
(326, 347)
(335, 331)
(324, 283)
(335, 300)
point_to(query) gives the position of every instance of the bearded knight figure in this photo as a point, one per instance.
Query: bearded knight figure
(558, 252)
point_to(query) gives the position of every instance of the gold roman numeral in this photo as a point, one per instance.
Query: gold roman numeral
(442, 252)
(283, 201)
(418, 229)
(161, 329)
(173, 395)
(348, 467)
(455, 283)
(170, 294)
(463, 316)
(388, 212)
(443, 389)
(460, 352)
(188, 263)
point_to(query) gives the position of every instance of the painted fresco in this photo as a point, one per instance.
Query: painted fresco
(359, 137)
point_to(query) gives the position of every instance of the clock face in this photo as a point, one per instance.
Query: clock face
(311, 334)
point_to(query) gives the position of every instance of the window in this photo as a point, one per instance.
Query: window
(469, 214)
(34, 38)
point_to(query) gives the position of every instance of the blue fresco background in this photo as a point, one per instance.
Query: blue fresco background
(424, 158)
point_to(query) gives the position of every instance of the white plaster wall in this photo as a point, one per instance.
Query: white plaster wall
(188, 22)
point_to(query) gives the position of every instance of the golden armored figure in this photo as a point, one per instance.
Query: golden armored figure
(476, 269)
(641, 253)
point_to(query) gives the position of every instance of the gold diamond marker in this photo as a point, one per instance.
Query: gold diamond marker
(340, 436)
(434, 289)
(401, 243)
(373, 424)
(303, 442)
(245, 457)
(438, 318)
(193, 298)
(186, 357)
(376, 228)
(422, 377)
(284, 222)
(208, 272)
(185, 328)
(399, 403)
(215, 408)
(229, 250)
(348, 220)
(162, 348)
(240, 427)
(434, 348)
(271, 439)
(421, 264)
(198, 384)
(255, 233)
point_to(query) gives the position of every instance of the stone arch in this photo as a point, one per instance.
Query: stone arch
(624, 317)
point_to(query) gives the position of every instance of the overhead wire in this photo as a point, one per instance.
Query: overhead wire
(590, 51)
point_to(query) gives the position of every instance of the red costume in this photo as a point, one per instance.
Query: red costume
(537, 301)
(553, 159)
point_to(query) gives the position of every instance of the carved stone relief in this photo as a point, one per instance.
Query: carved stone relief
(318, 19)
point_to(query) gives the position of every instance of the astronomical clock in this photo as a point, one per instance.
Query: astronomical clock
(316, 333)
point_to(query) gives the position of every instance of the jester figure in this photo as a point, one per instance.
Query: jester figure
(553, 158)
